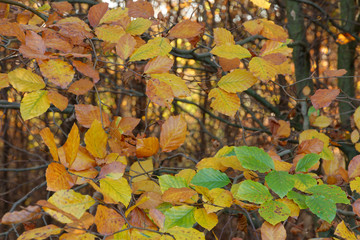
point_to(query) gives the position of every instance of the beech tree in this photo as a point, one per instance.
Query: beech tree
(204, 120)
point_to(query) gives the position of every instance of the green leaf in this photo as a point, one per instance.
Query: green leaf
(330, 192)
(168, 181)
(307, 162)
(138, 26)
(34, 104)
(323, 207)
(117, 189)
(311, 110)
(298, 198)
(304, 181)
(252, 191)
(274, 212)
(210, 178)
(25, 80)
(280, 182)
(182, 216)
(254, 158)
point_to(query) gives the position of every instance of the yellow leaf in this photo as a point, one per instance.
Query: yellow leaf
(206, 220)
(186, 29)
(34, 104)
(262, 3)
(186, 233)
(322, 122)
(110, 33)
(125, 46)
(49, 140)
(267, 29)
(96, 140)
(25, 80)
(237, 81)
(223, 36)
(71, 202)
(71, 145)
(117, 189)
(155, 47)
(355, 136)
(138, 26)
(312, 133)
(294, 208)
(357, 117)
(231, 51)
(74, 236)
(355, 185)
(40, 233)
(4, 80)
(271, 47)
(139, 169)
(357, 147)
(282, 166)
(224, 102)
(58, 100)
(114, 15)
(145, 186)
(344, 232)
(262, 68)
(58, 72)
(187, 174)
(58, 178)
(177, 84)
(220, 198)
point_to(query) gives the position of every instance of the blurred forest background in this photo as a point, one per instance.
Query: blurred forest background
(324, 37)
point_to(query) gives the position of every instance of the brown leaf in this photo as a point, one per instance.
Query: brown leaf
(356, 207)
(140, 8)
(138, 218)
(96, 12)
(55, 41)
(324, 97)
(125, 46)
(58, 178)
(34, 47)
(29, 213)
(58, 100)
(147, 147)
(279, 128)
(114, 168)
(270, 232)
(314, 145)
(335, 73)
(63, 8)
(275, 58)
(125, 125)
(87, 70)
(229, 64)
(158, 217)
(354, 167)
(186, 29)
(160, 64)
(81, 87)
(154, 200)
(159, 92)
(173, 133)
(75, 31)
(12, 30)
(107, 220)
(178, 195)
(86, 114)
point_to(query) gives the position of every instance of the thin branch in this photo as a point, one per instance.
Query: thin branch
(19, 4)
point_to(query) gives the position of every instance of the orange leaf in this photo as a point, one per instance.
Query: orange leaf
(58, 100)
(270, 232)
(178, 195)
(53, 40)
(96, 140)
(229, 64)
(12, 29)
(71, 145)
(354, 167)
(58, 178)
(87, 70)
(96, 12)
(58, 72)
(141, 9)
(147, 147)
(158, 217)
(34, 47)
(62, 8)
(186, 29)
(107, 220)
(267, 29)
(160, 93)
(125, 46)
(81, 87)
(49, 140)
(314, 145)
(335, 73)
(124, 125)
(324, 97)
(160, 64)
(173, 133)
(82, 161)
(29, 213)
(86, 114)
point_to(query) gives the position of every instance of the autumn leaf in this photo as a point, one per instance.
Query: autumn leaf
(58, 72)
(29, 213)
(224, 102)
(273, 232)
(25, 80)
(86, 114)
(262, 68)
(58, 178)
(138, 26)
(108, 220)
(34, 104)
(266, 28)
(155, 47)
(160, 64)
(140, 8)
(113, 15)
(223, 36)
(262, 3)
(237, 81)
(81, 87)
(125, 46)
(323, 97)
(96, 140)
(58, 100)
(87, 70)
(139, 170)
(159, 92)
(49, 140)
(147, 147)
(186, 29)
(71, 145)
(96, 12)
(173, 133)
(109, 33)
(117, 189)
(231, 51)
(40, 233)
(178, 85)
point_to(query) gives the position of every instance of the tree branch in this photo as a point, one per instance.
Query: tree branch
(19, 4)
